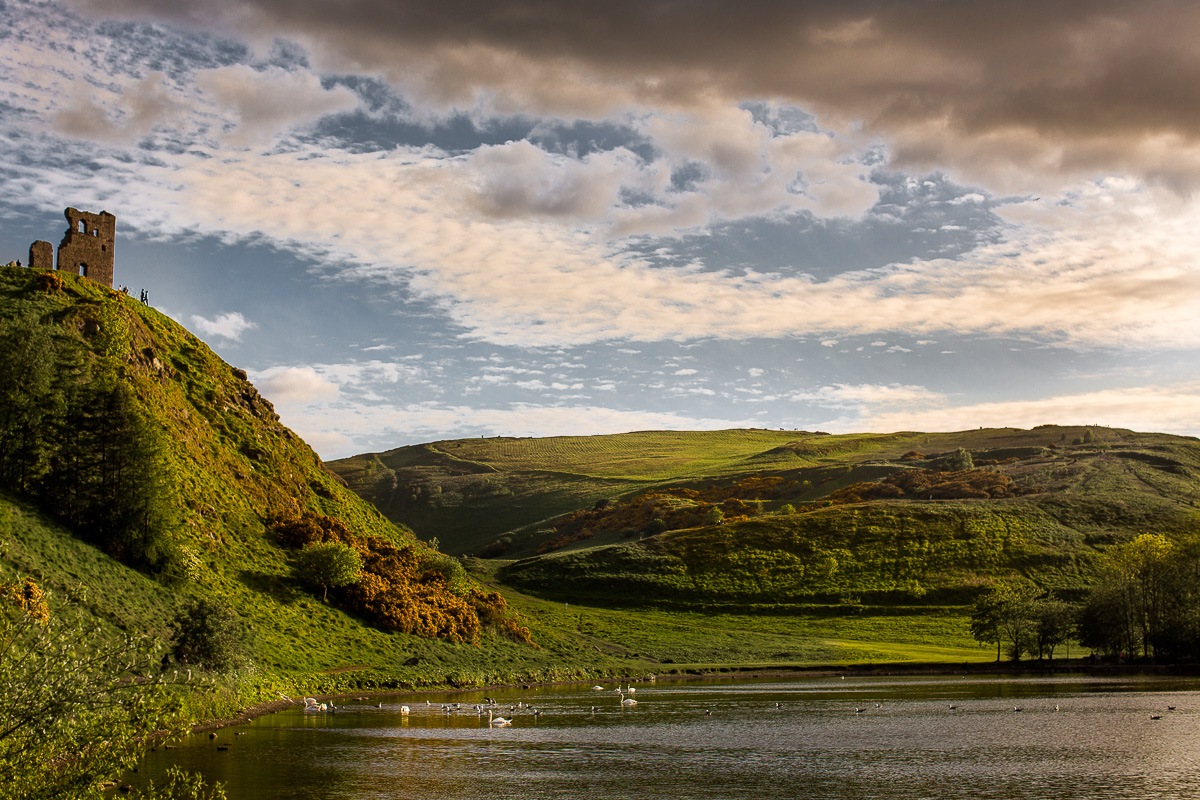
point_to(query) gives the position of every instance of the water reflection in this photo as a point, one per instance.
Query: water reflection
(944, 737)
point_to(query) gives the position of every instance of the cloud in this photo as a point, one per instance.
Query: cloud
(294, 385)
(519, 179)
(1173, 407)
(1112, 264)
(357, 428)
(119, 117)
(1018, 95)
(266, 101)
(869, 395)
(517, 245)
(230, 325)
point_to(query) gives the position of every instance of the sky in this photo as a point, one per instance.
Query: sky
(411, 221)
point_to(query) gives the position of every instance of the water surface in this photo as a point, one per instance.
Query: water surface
(906, 737)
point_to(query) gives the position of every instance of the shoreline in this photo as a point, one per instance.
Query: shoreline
(1072, 666)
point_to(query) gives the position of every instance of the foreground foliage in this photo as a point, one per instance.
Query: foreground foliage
(78, 709)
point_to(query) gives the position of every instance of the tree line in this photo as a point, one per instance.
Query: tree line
(74, 441)
(1144, 603)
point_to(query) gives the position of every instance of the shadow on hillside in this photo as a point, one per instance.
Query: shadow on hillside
(280, 589)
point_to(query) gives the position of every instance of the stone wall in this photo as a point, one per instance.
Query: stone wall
(88, 245)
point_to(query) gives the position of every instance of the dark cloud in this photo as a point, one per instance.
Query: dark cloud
(1067, 86)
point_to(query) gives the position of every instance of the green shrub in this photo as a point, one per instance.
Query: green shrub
(330, 564)
(209, 634)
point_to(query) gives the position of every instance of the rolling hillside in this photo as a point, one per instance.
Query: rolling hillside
(762, 518)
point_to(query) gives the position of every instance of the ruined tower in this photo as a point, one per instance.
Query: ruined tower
(87, 247)
(41, 255)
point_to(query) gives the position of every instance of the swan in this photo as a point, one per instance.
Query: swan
(628, 701)
(499, 722)
(598, 688)
(404, 711)
(311, 706)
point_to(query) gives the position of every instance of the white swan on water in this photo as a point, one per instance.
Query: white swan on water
(499, 722)
(311, 706)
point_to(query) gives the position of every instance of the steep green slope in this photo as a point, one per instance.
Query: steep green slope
(231, 466)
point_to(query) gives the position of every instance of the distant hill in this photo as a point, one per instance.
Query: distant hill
(761, 517)
(468, 492)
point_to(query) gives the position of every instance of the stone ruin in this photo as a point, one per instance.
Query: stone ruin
(86, 248)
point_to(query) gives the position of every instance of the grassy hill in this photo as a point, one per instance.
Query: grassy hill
(1066, 492)
(468, 492)
(231, 465)
(770, 520)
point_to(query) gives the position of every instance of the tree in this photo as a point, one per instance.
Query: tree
(1005, 613)
(656, 526)
(1142, 567)
(328, 565)
(1054, 623)
(208, 634)
(26, 399)
(1145, 599)
(128, 504)
(986, 616)
(957, 461)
